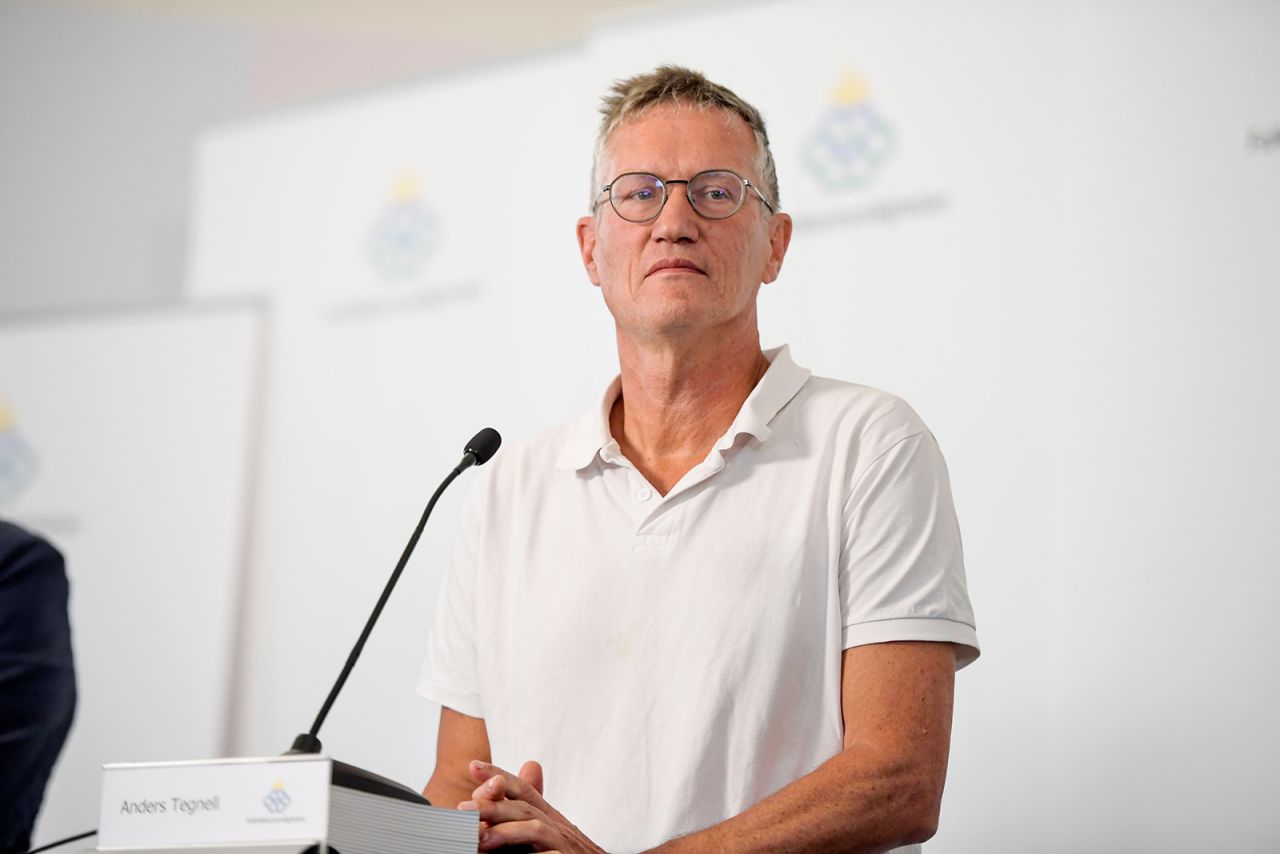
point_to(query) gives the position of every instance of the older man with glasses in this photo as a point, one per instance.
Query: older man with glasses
(722, 611)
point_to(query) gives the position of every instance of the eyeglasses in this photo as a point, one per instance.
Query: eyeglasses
(714, 194)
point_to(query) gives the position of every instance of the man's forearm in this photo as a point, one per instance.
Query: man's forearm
(460, 739)
(849, 803)
(447, 794)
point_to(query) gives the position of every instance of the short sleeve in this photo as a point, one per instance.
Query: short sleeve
(902, 565)
(449, 672)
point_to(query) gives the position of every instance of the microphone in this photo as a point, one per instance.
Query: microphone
(478, 451)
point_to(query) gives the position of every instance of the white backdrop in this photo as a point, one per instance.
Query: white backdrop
(380, 372)
(1048, 226)
(135, 468)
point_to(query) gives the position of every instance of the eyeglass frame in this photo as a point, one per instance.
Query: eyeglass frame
(666, 196)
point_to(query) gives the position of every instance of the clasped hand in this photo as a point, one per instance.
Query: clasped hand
(513, 812)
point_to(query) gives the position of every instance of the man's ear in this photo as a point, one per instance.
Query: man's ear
(587, 247)
(779, 239)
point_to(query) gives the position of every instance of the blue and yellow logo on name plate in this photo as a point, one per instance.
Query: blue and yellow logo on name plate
(18, 462)
(851, 141)
(277, 800)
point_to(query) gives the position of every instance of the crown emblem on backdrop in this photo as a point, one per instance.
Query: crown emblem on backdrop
(18, 461)
(851, 140)
(405, 233)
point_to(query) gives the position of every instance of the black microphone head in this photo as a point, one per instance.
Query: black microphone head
(484, 445)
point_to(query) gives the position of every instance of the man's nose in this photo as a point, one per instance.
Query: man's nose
(677, 221)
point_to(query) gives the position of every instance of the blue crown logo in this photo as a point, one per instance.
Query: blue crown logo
(277, 800)
(405, 234)
(851, 140)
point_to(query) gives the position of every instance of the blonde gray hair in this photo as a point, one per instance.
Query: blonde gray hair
(673, 84)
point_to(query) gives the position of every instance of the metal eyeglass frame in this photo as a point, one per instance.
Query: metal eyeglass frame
(608, 188)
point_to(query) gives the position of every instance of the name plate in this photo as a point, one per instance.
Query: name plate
(159, 804)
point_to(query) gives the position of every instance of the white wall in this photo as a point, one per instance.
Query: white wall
(100, 107)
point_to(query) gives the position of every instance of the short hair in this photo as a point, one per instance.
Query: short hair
(673, 84)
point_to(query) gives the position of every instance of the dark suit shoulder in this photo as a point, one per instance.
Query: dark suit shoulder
(24, 554)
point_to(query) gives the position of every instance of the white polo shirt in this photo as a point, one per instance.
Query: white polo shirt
(673, 660)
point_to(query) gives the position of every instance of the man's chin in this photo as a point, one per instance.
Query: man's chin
(679, 322)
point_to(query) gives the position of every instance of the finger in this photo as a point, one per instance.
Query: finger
(531, 773)
(496, 812)
(481, 771)
(493, 789)
(515, 787)
(535, 832)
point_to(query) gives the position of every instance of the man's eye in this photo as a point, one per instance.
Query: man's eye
(643, 195)
(714, 194)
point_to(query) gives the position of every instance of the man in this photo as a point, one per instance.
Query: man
(722, 612)
(37, 680)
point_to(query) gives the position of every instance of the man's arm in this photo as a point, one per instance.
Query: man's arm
(460, 739)
(883, 790)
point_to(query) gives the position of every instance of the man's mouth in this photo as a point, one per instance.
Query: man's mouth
(675, 264)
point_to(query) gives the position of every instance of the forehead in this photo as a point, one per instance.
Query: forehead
(678, 140)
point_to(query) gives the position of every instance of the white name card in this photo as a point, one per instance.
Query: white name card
(158, 804)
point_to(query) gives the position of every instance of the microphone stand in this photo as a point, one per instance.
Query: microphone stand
(478, 451)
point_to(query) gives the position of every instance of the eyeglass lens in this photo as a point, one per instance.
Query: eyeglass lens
(715, 195)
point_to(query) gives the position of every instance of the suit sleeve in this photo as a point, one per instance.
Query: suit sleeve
(37, 677)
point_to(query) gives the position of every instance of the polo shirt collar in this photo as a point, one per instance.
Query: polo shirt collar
(590, 434)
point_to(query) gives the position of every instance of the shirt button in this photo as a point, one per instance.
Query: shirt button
(644, 493)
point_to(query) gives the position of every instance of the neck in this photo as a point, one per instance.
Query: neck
(679, 397)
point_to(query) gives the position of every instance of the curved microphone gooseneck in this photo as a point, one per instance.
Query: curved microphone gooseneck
(478, 452)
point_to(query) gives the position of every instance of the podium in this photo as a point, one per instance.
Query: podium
(291, 804)
(286, 848)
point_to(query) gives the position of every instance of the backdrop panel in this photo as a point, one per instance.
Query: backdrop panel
(1167, 475)
(124, 441)
(419, 250)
